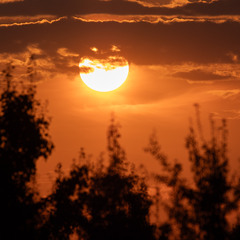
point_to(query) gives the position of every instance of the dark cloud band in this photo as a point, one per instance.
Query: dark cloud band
(73, 7)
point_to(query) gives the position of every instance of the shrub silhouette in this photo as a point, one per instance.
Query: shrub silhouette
(199, 210)
(23, 139)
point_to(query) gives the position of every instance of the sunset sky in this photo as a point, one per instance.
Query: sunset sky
(179, 52)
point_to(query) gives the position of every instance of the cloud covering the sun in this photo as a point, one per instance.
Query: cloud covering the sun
(103, 60)
(87, 65)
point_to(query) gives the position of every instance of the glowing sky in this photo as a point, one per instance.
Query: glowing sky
(180, 52)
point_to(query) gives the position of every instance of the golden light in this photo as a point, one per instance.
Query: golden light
(94, 49)
(104, 75)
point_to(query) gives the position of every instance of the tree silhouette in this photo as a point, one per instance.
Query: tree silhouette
(98, 201)
(199, 210)
(23, 140)
(235, 233)
(119, 202)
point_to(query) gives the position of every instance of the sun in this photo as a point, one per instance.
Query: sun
(104, 75)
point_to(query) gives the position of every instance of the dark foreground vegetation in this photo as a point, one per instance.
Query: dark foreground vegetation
(108, 200)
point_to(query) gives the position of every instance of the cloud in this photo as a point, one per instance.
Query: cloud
(121, 7)
(201, 75)
(85, 69)
(12, 19)
(43, 63)
(140, 43)
(115, 49)
(170, 3)
(231, 114)
(88, 65)
(154, 19)
(8, 1)
(22, 21)
(225, 94)
(161, 3)
(64, 52)
(94, 49)
(62, 7)
(234, 57)
(20, 59)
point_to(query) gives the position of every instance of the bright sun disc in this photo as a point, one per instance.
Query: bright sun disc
(104, 75)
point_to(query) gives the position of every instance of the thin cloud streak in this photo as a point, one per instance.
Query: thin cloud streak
(161, 3)
(42, 21)
(10, 1)
(226, 93)
(9, 19)
(201, 75)
(64, 52)
(169, 3)
(154, 19)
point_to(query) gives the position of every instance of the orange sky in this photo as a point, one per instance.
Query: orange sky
(180, 52)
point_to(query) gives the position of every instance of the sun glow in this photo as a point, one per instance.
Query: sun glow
(104, 75)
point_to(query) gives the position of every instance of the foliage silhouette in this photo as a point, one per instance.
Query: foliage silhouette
(235, 233)
(23, 140)
(199, 210)
(100, 202)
